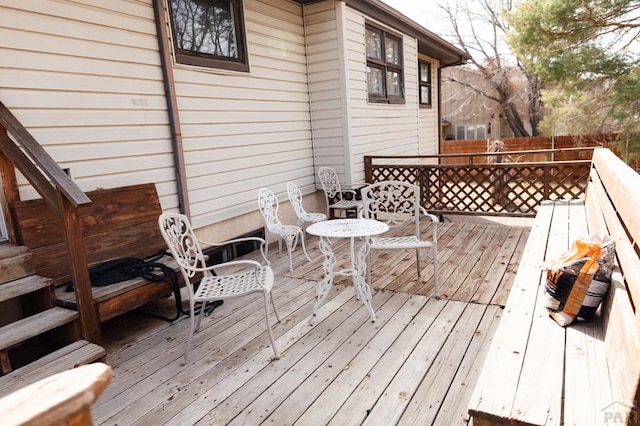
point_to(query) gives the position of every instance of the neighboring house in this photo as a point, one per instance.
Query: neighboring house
(213, 99)
(467, 114)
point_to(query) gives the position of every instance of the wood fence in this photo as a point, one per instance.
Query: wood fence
(610, 140)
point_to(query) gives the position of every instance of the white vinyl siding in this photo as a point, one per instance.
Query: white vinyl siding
(85, 80)
(326, 84)
(243, 131)
(379, 129)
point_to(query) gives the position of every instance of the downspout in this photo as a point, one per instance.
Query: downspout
(172, 106)
(311, 121)
(439, 117)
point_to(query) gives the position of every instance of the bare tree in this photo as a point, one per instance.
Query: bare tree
(479, 28)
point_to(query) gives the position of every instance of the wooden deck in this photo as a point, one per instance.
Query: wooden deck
(417, 364)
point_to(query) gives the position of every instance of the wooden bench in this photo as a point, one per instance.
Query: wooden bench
(61, 399)
(119, 222)
(539, 373)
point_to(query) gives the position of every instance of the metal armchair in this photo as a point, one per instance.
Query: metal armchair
(185, 248)
(295, 197)
(336, 197)
(268, 204)
(396, 203)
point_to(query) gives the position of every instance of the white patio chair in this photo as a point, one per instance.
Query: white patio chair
(247, 276)
(302, 217)
(336, 197)
(397, 203)
(268, 204)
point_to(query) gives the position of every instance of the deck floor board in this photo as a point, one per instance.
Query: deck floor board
(417, 364)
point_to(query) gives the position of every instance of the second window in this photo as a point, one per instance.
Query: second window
(384, 66)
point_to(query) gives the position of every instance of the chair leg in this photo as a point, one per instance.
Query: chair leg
(267, 235)
(275, 310)
(304, 249)
(266, 317)
(290, 244)
(434, 257)
(191, 330)
(200, 315)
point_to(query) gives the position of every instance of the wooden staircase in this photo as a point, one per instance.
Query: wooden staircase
(37, 338)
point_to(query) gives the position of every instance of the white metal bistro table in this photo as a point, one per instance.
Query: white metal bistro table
(352, 229)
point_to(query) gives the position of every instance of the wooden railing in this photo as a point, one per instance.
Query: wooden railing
(478, 186)
(19, 150)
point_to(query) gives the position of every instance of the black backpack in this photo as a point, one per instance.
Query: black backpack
(126, 268)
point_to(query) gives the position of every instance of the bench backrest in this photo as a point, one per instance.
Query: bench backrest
(119, 222)
(613, 207)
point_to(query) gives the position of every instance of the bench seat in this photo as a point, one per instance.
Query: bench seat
(115, 299)
(539, 373)
(119, 222)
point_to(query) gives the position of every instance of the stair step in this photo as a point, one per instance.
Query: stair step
(15, 262)
(34, 325)
(21, 286)
(73, 355)
(8, 250)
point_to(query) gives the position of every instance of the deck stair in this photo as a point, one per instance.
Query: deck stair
(37, 338)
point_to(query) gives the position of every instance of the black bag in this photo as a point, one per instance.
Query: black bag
(126, 268)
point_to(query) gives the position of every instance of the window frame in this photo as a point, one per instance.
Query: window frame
(190, 57)
(386, 67)
(428, 84)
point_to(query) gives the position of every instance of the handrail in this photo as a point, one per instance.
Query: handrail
(64, 197)
(36, 153)
(472, 155)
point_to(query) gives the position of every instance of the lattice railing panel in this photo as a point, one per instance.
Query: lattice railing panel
(506, 188)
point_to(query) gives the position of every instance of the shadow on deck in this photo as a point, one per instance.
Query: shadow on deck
(417, 364)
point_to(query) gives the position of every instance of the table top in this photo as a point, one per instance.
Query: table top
(345, 228)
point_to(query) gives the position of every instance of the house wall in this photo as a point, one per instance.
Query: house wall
(382, 129)
(325, 65)
(244, 131)
(345, 126)
(85, 80)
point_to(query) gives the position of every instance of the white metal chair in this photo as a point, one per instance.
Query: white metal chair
(247, 276)
(295, 197)
(397, 203)
(336, 197)
(268, 204)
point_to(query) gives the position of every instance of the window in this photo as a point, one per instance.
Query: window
(471, 132)
(480, 132)
(384, 66)
(424, 83)
(209, 33)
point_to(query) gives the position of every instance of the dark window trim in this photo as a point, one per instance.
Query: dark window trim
(188, 57)
(422, 84)
(385, 66)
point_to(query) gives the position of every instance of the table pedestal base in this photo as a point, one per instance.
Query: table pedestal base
(356, 272)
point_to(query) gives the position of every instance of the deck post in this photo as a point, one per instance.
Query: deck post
(10, 191)
(89, 320)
